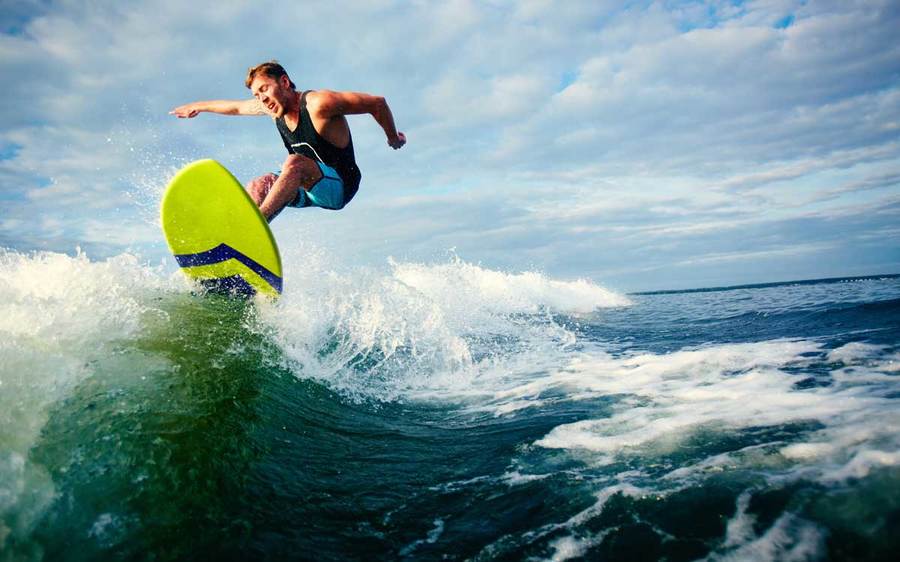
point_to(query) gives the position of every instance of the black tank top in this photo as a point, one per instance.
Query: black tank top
(307, 142)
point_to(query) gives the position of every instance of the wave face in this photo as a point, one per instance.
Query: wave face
(433, 411)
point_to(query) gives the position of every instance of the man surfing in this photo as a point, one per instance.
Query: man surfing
(320, 170)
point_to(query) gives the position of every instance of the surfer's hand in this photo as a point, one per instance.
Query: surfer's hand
(398, 142)
(185, 111)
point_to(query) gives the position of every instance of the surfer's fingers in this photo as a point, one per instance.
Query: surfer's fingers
(181, 112)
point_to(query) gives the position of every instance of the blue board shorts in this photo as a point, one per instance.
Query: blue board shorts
(327, 193)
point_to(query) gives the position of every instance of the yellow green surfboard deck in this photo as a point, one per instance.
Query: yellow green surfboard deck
(217, 233)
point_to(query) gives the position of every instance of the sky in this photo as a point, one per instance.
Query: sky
(638, 144)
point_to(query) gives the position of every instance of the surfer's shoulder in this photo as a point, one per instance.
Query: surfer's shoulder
(316, 100)
(313, 97)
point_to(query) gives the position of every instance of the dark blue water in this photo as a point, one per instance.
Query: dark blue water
(444, 412)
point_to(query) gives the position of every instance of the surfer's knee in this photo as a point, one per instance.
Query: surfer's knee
(303, 168)
(295, 164)
(259, 187)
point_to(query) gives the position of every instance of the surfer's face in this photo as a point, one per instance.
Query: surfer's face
(272, 93)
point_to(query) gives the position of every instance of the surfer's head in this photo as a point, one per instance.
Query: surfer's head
(272, 69)
(272, 86)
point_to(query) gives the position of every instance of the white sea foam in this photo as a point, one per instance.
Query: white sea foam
(739, 529)
(71, 299)
(465, 286)
(730, 385)
(668, 398)
(863, 463)
(569, 547)
(577, 542)
(854, 352)
(433, 535)
(789, 539)
(420, 329)
(365, 317)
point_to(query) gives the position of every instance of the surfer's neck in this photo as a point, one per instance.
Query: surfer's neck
(293, 105)
(291, 114)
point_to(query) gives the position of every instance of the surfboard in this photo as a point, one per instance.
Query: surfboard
(217, 234)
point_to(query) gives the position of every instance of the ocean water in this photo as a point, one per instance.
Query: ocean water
(443, 411)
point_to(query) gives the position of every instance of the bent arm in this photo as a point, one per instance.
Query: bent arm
(332, 104)
(222, 107)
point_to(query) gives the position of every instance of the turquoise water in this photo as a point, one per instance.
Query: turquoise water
(443, 411)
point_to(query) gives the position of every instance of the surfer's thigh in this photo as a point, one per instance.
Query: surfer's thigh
(259, 187)
(326, 193)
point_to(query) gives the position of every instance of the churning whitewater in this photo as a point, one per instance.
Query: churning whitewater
(445, 410)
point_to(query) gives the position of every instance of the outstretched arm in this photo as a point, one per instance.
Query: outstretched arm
(223, 107)
(332, 104)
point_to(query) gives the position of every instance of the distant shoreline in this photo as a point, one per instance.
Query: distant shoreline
(773, 284)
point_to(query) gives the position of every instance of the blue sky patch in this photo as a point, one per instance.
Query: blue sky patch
(567, 79)
(8, 151)
(15, 15)
(785, 22)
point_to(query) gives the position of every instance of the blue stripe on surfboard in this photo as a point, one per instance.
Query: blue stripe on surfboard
(224, 252)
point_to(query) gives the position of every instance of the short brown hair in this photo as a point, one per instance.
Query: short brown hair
(271, 69)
